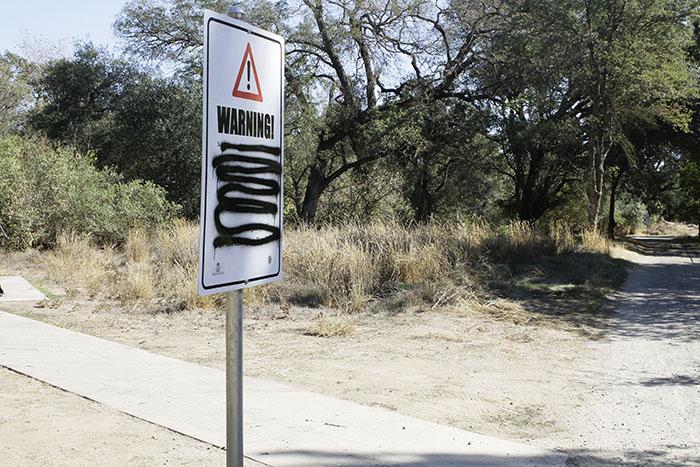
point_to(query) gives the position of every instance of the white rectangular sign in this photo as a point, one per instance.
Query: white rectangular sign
(242, 156)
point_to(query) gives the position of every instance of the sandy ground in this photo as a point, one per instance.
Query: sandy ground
(43, 425)
(551, 386)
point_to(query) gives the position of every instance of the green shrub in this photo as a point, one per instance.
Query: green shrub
(46, 191)
(630, 216)
(15, 225)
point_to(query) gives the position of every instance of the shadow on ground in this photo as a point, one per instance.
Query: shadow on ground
(662, 302)
(580, 457)
(675, 380)
(659, 301)
(569, 290)
(675, 455)
(661, 246)
(428, 459)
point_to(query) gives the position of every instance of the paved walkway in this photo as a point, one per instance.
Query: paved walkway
(284, 426)
(17, 289)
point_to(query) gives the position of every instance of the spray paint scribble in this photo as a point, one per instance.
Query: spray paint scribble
(244, 184)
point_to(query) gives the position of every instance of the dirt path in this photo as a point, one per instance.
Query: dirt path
(644, 407)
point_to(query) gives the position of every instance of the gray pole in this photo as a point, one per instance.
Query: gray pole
(236, 12)
(234, 378)
(234, 358)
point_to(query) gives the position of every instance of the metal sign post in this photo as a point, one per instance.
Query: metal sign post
(234, 378)
(242, 182)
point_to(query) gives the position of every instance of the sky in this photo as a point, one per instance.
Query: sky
(47, 28)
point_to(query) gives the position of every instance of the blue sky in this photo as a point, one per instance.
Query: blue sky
(52, 26)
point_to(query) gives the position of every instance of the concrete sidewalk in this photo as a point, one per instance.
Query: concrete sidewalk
(17, 289)
(284, 426)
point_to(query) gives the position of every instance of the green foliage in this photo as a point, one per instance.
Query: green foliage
(15, 215)
(569, 78)
(15, 92)
(690, 192)
(47, 191)
(153, 133)
(146, 127)
(630, 215)
(407, 110)
(77, 93)
(166, 30)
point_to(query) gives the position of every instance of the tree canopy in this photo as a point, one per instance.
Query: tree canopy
(411, 109)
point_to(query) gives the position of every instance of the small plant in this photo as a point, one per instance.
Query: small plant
(324, 326)
(630, 216)
(137, 246)
(77, 264)
(137, 283)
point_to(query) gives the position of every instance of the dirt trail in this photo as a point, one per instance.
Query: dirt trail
(645, 405)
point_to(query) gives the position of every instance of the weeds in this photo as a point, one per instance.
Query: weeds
(351, 268)
(325, 326)
(594, 242)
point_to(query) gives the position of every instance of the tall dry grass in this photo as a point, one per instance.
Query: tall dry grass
(339, 266)
(159, 267)
(79, 266)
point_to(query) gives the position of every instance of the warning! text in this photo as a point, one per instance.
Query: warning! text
(240, 122)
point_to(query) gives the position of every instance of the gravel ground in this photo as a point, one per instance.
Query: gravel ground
(644, 405)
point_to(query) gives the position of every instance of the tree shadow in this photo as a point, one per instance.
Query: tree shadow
(668, 456)
(675, 380)
(660, 246)
(673, 455)
(659, 301)
(663, 302)
(569, 290)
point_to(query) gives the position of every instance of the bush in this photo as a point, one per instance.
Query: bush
(45, 191)
(15, 225)
(630, 216)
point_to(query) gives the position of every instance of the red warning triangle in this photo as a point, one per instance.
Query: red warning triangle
(244, 87)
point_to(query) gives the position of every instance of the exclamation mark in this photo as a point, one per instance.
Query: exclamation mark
(248, 66)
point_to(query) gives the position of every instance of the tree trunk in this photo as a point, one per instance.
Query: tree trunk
(314, 188)
(613, 197)
(420, 197)
(596, 161)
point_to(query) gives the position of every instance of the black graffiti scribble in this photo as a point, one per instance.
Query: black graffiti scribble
(251, 205)
(242, 191)
(274, 150)
(272, 187)
(230, 238)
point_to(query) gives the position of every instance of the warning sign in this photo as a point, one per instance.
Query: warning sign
(245, 87)
(242, 156)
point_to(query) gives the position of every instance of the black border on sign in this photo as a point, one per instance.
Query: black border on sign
(206, 156)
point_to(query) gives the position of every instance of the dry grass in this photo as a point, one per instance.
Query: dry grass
(562, 236)
(79, 266)
(346, 267)
(330, 326)
(662, 227)
(137, 248)
(594, 242)
(161, 267)
(136, 283)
